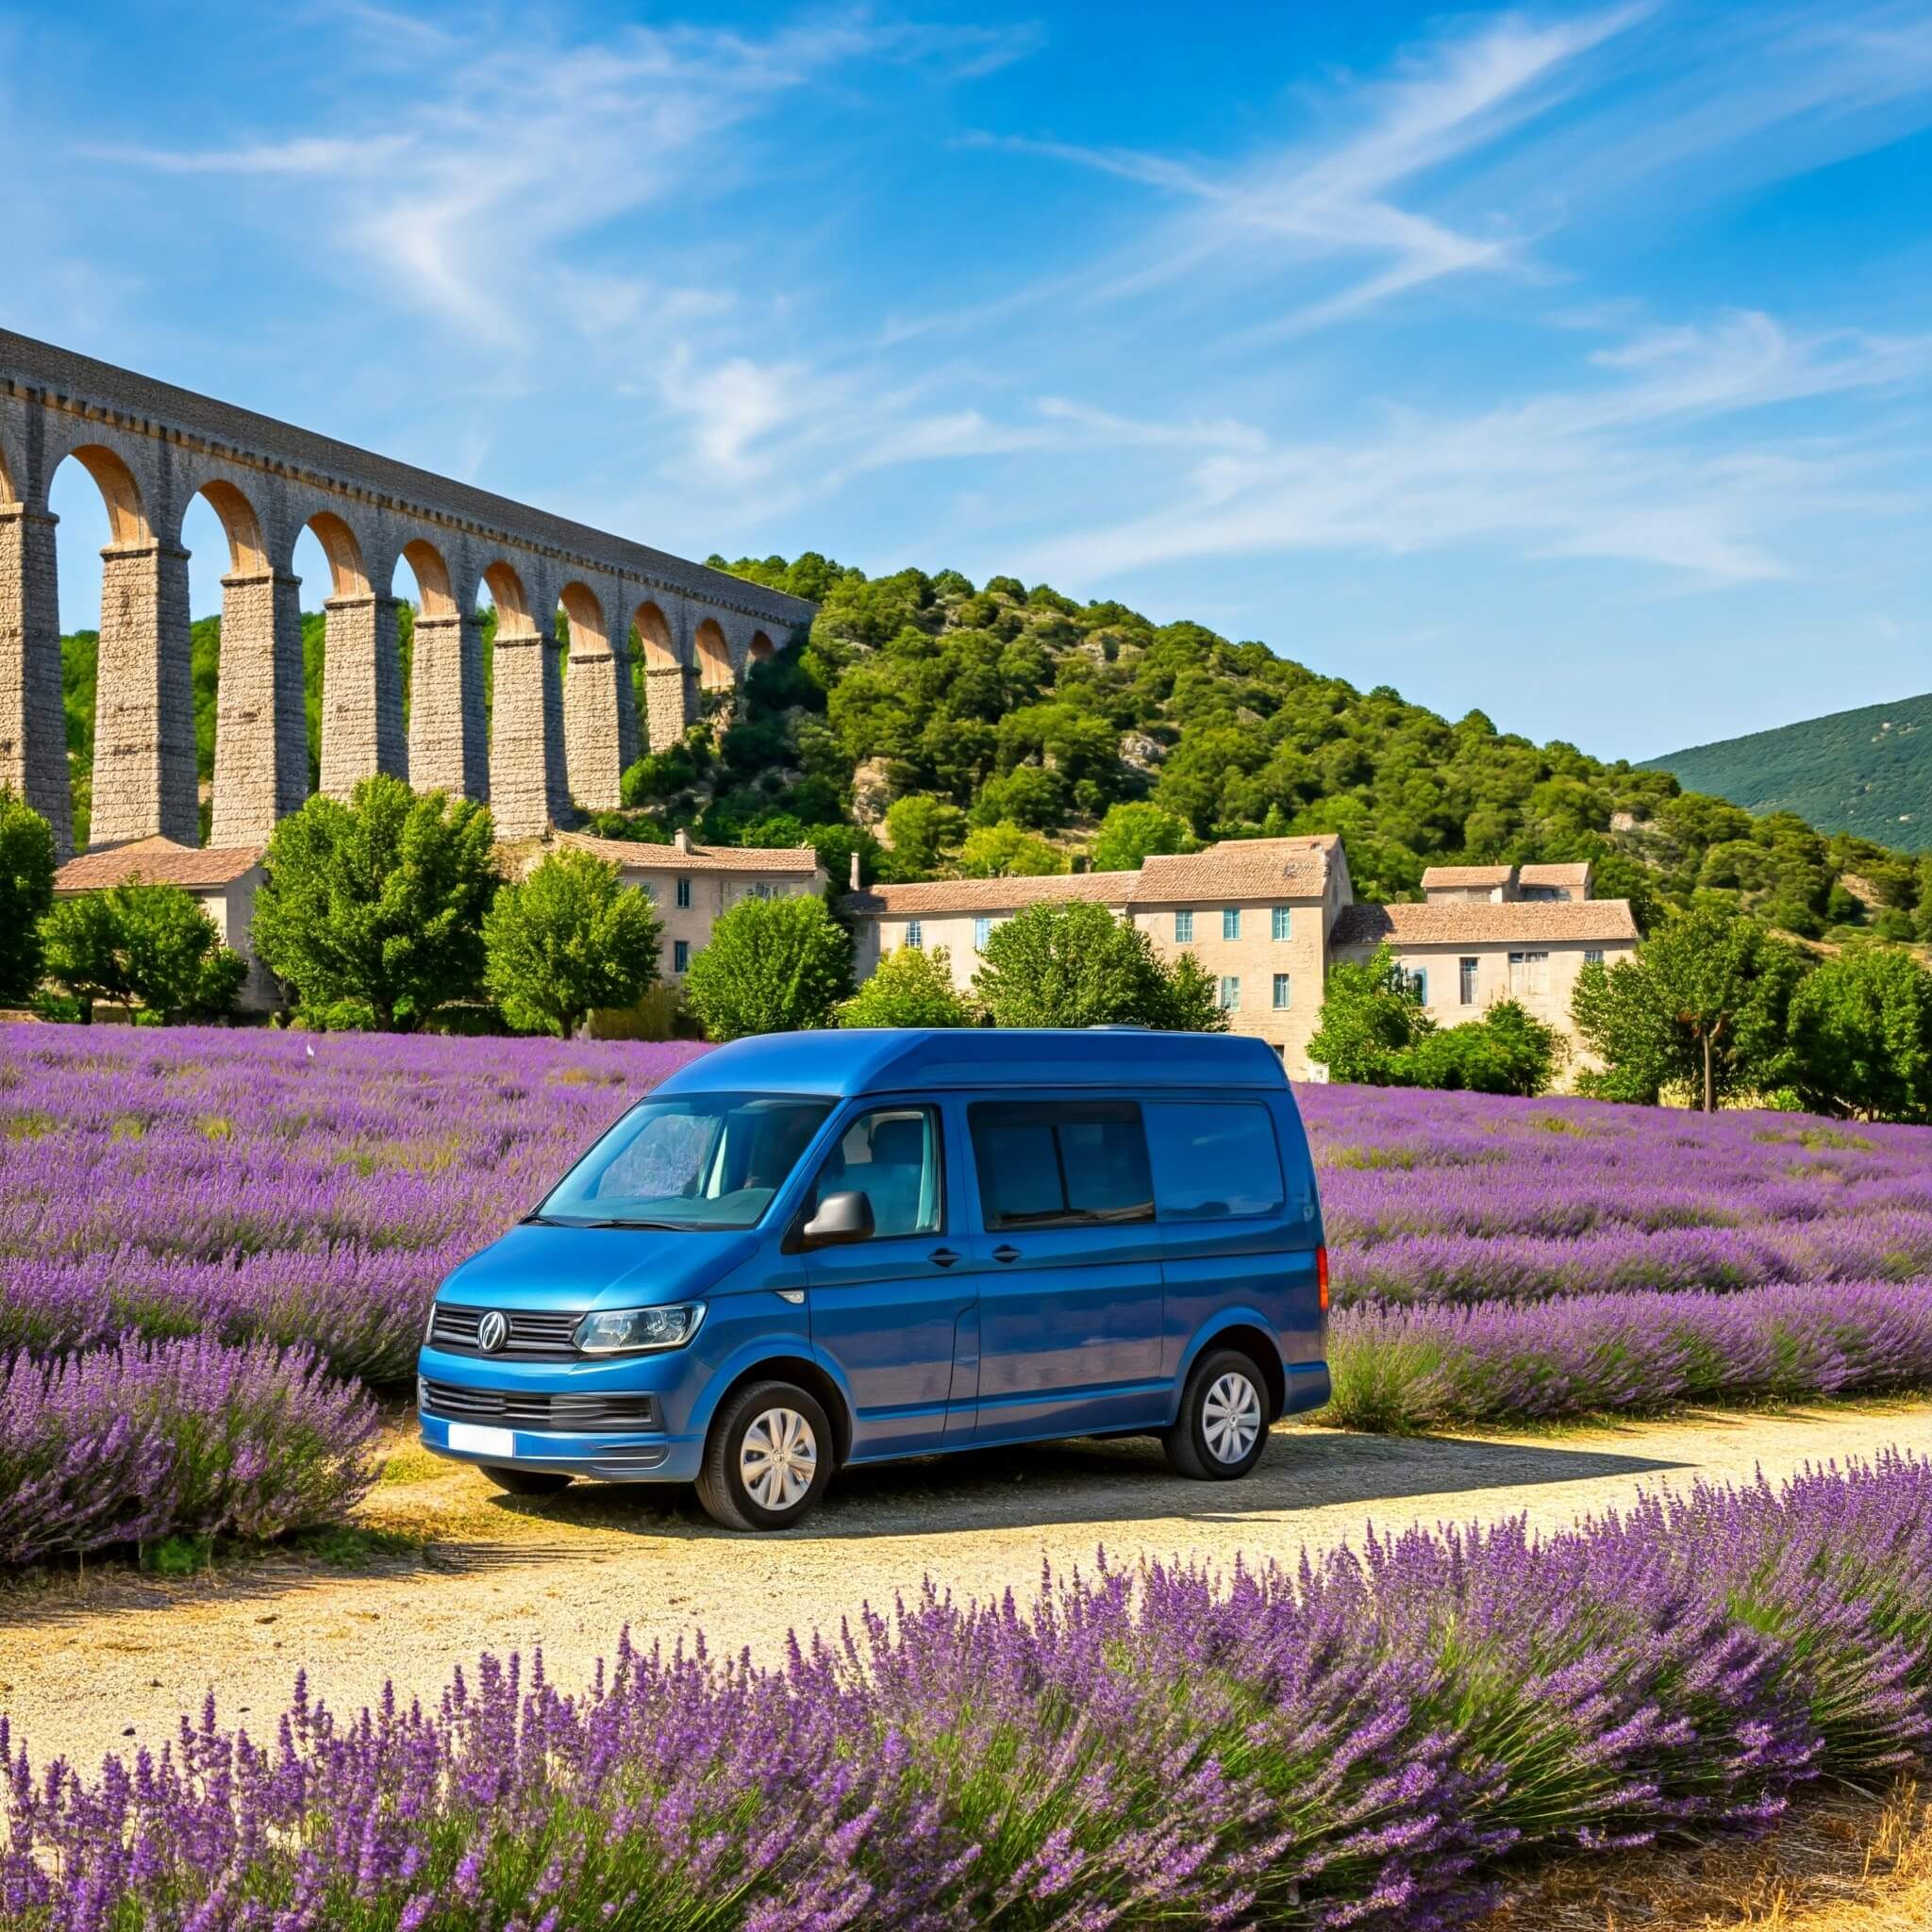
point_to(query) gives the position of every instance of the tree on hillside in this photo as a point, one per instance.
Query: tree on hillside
(1131, 832)
(1005, 852)
(570, 936)
(909, 986)
(26, 894)
(771, 966)
(923, 832)
(1701, 1007)
(1077, 965)
(1861, 1036)
(151, 944)
(379, 901)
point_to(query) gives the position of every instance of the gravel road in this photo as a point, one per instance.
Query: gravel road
(107, 1660)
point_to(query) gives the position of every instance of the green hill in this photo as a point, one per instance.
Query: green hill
(1867, 771)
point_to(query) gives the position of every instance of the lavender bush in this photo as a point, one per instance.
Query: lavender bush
(1365, 1743)
(124, 1444)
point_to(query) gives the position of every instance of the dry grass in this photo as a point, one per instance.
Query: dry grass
(1842, 1862)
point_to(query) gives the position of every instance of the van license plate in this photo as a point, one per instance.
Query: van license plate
(479, 1442)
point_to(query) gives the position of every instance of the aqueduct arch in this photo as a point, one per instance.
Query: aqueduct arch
(152, 449)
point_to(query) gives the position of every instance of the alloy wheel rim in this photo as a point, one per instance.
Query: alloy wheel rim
(1231, 1417)
(778, 1460)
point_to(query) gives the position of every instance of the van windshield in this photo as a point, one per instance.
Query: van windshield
(702, 1160)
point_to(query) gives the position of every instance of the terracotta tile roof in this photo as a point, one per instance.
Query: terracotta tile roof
(1584, 920)
(994, 895)
(1439, 875)
(1242, 869)
(636, 854)
(156, 862)
(1575, 874)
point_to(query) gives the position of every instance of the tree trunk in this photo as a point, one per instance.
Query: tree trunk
(1708, 1106)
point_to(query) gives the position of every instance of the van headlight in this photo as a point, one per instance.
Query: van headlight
(631, 1331)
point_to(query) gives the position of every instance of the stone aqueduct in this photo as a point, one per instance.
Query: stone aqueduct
(552, 736)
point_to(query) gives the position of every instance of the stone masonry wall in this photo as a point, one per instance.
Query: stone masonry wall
(144, 779)
(33, 723)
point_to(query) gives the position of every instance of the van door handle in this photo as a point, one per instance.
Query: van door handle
(944, 1258)
(1006, 1252)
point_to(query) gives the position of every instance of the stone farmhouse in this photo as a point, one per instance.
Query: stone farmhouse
(1266, 916)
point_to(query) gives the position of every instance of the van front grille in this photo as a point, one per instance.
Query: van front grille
(534, 1333)
(580, 1413)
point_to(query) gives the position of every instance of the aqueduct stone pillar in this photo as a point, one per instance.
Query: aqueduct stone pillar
(144, 776)
(596, 702)
(261, 732)
(667, 705)
(529, 786)
(362, 693)
(33, 721)
(448, 748)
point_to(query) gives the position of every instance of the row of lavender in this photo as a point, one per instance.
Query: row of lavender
(1364, 1743)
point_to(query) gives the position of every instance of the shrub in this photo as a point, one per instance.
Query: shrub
(908, 987)
(26, 896)
(151, 943)
(147, 1439)
(1077, 965)
(772, 966)
(569, 937)
(379, 900)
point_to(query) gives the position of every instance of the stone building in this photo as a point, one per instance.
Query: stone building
(223, 879)
(1265, 917)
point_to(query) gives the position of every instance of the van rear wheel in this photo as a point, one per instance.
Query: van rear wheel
(767, 1459)
(1223, 1425)
(526, 1482)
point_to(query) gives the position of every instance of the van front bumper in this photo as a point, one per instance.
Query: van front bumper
(626, 1458)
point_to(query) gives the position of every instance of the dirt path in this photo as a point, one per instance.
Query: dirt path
(108, 1661)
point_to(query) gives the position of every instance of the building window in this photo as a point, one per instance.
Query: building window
(1593, 955)
(914, 937)
(1465, 974)
(1418, 977)
(763, 889)
(1529, 972)
(982, 931)
(1184, 927)
(1230, 993)
(1230, 921)
(1281, 991)
(680, 955)
(683, 894)
(1283, 923)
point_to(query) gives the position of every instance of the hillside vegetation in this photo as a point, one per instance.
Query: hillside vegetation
(1867, 771)
(934, 725)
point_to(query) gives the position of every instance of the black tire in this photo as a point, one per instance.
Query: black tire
(528, 1482)
(1215, 1418)
(790, 1428)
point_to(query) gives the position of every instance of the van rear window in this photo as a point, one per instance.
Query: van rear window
(1060, 1163)
(1214, 1162)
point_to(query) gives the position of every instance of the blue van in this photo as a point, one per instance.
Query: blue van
(812, 1249)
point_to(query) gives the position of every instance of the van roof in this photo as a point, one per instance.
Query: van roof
(852, 1060)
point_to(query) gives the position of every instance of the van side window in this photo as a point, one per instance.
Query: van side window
(891, 1156)
(1214, 1162)
(1060, 1163)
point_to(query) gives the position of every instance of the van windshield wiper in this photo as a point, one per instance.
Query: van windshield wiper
(608, 1221)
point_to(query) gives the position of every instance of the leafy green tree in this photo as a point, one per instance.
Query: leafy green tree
(379, 900)
(26, 896)
(1861, 1035)
(1370, 1015)
(909, 986)
(1077, 965)
(150, 944)
(1701, 1007)
(1188, 1000)
(1507, 1051)
(772, 966)
(923, 832)
(570, 936)
(1005, 852)
(1131, 832)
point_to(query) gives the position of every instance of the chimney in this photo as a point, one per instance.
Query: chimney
(855, 869)
(681, 839)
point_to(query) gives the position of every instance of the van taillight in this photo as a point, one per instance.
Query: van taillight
(1322, 1276)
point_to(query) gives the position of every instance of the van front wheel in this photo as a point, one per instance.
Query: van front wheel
(1222, 1426)
(767, 1459)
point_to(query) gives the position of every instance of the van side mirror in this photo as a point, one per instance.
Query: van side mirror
(842, 1220)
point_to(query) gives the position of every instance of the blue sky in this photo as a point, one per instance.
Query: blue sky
(1571, 363)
